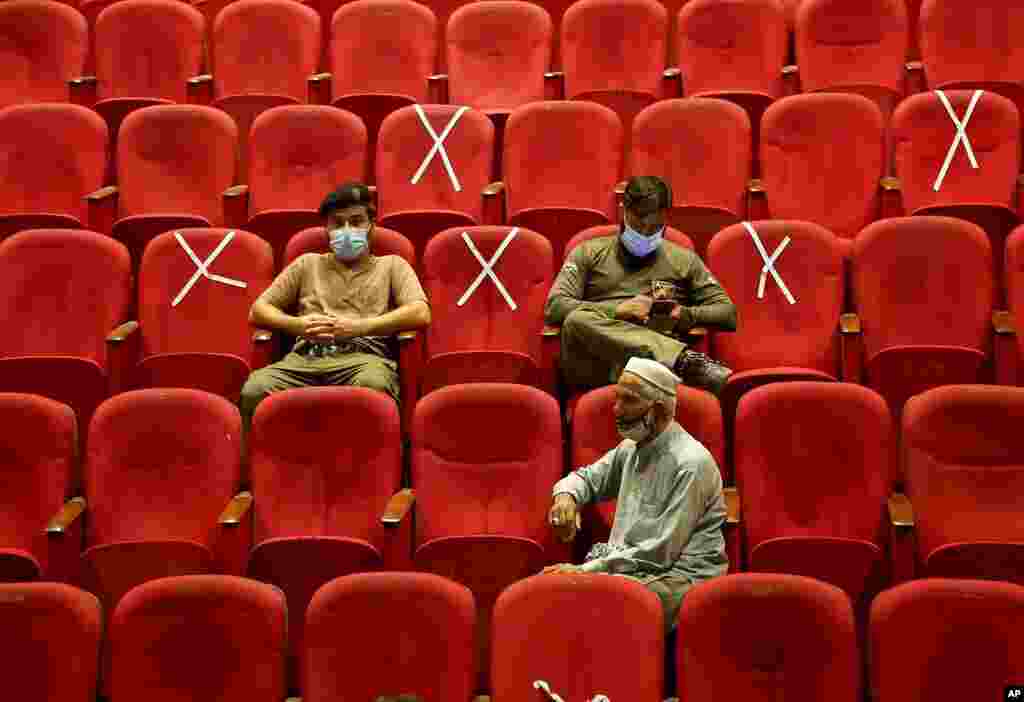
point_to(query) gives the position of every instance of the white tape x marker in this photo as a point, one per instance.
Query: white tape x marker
(488, 268)
(769, 265)
(438, 146)
(961, 135)
(203, 267)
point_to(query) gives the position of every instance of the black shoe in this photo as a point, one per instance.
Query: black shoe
(699, 371)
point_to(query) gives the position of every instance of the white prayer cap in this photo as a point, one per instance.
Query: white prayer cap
(654, 374)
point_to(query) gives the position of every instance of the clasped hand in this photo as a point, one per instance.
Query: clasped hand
(323, 328)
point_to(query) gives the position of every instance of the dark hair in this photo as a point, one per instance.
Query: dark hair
(348, 195)
(646, 194)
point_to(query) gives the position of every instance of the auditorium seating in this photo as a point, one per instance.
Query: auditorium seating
(63, 294)
(200, 637)
(161, 477)
(924, 133)
(45, 44)
(813, 493)
(480, 332)
(1005, 323)
(263, 53)
(749, 635)
(199, 336)
(51, 156)
(613, 53)
(381, 54)
(297, 154)
(383, 242)
(961, 461)
(945, 640)
(52, 634)
(560, 629)
(821, 161)
(497, 54)
(734, 50)
(593, 434)
(388, 634)
(322, 514)
(145, 51)
(853, 46)
(561, 162)
(422, 190)
(174, 162)
(968, 44)
(923, 292)
(702, 147)
(39, 444)
(482, 498)
(788, 331)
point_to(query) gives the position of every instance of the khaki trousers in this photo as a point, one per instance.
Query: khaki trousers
(595, 347)
(297, 371)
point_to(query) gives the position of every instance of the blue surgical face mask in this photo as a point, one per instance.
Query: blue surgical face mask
(638, 244)
(348, 243)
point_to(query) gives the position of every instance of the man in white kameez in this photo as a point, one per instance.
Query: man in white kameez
(667, 533)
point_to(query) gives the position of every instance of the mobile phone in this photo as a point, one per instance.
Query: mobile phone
(662, 308)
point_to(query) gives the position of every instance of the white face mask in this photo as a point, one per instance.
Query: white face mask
(638, 429)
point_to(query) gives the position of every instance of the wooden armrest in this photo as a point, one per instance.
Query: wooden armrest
(732, 505)
(102, 193)
(890, 184)
(236, 509)
(320, 77)
(671, 72)
(755, 185)
(122, 332)
(406, 337)
(790, 69)
(494, 189)
(200, 79)
(1002, 322)
(901, 512)
(551, 330)
(84, 80)
(438, 78)
(914, 65)
(236, 191)
(849, 323)
(398, 506)
(64, 518)
(620, 188)
(552, 75)
(262, 336)
(697, 331)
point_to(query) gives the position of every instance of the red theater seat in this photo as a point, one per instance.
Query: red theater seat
(44, 46)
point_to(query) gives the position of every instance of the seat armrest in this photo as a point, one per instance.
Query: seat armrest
(82, 90)
(901, 512)
(757, 200)
(235, 203)
(122, 333)
(671, 83)
(406, 337)
(733, 513)
(101, 209)
(914, 78)
(551, 330)
(554, 85)
(66, 516)
(891, 204)
(398, 506)
(262, 336)
(237, 508)
(104, 193)
(494, 203)
(318, 89)
(790, 80)
(1002, 323)
(200, 89)
(437, 88)
(849, 323)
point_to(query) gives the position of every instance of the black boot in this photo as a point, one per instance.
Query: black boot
(699, 371)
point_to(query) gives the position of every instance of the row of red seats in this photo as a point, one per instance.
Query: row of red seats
(480, 504)
(822, 160)
(740, 636)
(915, 309)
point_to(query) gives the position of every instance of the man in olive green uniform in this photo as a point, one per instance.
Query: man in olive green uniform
(604, 298)
(348, 303)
